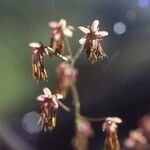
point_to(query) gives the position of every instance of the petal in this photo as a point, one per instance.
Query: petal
(114, 119)
(53, 24)
(59, 96)
(47, 92)
(63, 23)
(68, 32)
(94, 25)
(35, 44)
(70, 27)
(82, 41)
(102, 33)
(83, 29)
(41, 98)
(63, 106)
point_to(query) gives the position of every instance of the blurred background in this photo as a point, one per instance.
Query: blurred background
(117, 86)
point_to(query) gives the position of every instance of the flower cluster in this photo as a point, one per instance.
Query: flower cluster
(91, 42)
(66, 74)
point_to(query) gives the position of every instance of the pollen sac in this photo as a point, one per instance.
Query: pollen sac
(94, 51)
(57, 45)
(48, 114)
(38, 53)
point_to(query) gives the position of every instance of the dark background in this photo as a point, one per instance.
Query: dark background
(117, 86)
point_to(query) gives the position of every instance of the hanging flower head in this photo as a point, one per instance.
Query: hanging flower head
(66, 76)
(83, 132)
(110, 127)
(144, 125)
(136, 140)
(38, 53)
(49, 107)
(91, 41)
(59, 29)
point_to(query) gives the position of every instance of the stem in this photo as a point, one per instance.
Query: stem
(59, 55)
(74, 91)
(68, 46)
(76, 101)
(95, 119)
(77, 54)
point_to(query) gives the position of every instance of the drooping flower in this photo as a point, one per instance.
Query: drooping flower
(136, 141)
(92, 41)
(110, 127)
(66, 76)
(144, 125)
(83, 132)
(38, 53)
(49, 107)
(58, 30)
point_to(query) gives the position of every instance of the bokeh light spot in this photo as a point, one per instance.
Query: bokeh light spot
(30, 122)
(143, 3)
(119, 28)
(131, 15)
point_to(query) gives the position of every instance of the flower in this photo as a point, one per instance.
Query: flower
(144, 125)
(83, 132)
(84, 127)
(59, 29)
(38, 53)
(91, 41)
(136, 140)
(66, 76)
(110, 127)
(49, 106)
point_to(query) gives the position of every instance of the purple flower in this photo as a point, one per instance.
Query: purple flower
(49, 106)
(59, 29)
(91, 41)
(38, 52)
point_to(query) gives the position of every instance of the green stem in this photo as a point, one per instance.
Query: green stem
(68, 47)
(74, 91)
(77, 55)
(76, 101)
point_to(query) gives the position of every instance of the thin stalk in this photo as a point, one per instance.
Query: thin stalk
(74, 91)
(95, 119)
(77, 54)
(68, 46)
(76, 101)
(59, 55)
